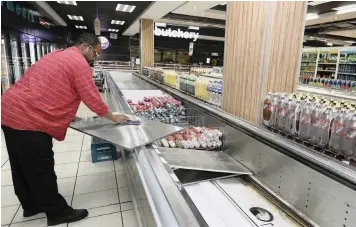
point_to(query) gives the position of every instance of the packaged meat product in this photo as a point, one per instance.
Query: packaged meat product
(338, 132)
(348, 147)
(324, 127)
(312, 133)
(305, 120)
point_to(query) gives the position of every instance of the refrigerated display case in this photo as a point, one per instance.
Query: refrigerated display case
(38, 49)
(32, 47)
(16, 57)
(6, 78)
(25, 50)
(281, 184)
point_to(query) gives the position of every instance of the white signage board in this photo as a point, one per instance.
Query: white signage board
(176, 33)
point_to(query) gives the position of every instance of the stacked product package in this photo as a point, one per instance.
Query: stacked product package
(324, 123)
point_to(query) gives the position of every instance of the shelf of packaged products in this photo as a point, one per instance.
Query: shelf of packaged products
(330, 92)
(346, 73)
(331, 71)
(347, 63)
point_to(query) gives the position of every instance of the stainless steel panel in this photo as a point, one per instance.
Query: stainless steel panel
(126, 136)
(246, 197)
(216, 208)
(203, 160)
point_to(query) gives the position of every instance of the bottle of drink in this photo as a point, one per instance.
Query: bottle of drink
(348, 146)
(219, 97)
(296, 118)
(305, 120)
(312, 133)
(280, 111)
(324, 127)
(338, 131)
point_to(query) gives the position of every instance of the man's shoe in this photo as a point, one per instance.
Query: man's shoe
(69, 215)
(30, 213)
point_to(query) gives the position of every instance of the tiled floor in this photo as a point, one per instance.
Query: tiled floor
(101, 187)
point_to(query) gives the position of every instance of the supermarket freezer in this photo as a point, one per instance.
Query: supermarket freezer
(290, 186)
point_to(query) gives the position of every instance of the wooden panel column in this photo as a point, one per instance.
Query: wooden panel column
(146, 42)
(263, 45)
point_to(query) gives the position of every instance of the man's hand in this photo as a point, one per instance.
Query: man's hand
(120, 118)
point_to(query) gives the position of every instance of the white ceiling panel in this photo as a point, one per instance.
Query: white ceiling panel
(201, 9)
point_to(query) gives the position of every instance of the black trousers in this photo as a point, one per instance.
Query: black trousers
(32, 166)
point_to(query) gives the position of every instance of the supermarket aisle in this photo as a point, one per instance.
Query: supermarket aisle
(101, 187)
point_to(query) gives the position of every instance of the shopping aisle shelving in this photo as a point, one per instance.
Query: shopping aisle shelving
(101, 187)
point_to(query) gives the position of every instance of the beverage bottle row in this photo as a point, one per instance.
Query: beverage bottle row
(324, 123)
(215, 92)
(331, 83)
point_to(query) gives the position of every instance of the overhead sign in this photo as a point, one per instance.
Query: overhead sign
(176, 33)
(104, 42)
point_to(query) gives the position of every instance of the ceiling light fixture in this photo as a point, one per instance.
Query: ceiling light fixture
(73, 3)
(73, 17)
(194, 7)
(315, 3)
(345, 9)
(312, 16)
(125, 8)
(329, 44)
(117, 22)
(202, 14)
(335, 18)
(113, 30)
(223, 4)
(193, 28)
(81, 27)
(160, 24)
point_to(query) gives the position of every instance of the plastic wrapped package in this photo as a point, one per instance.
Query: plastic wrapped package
(324, 127)
(338, 132)
(295, 118)
(305, 120)
(348, 146)
(280, 111)
(312, 133)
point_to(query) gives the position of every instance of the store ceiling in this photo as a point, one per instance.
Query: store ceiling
(106, 13)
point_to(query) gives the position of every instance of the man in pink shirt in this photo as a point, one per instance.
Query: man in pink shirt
(39, 107)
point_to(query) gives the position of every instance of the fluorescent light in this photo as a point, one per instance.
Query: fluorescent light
(132, 9)
(223, 4)
(345, 9)
(312, 16)
(194, 7)
(68, 2)
(315, 3)
(113, 30)
(125, 8)
(193, 28)
(329, 44)
(160, 24)
(81, 27)
(117, 22)
(73, 17)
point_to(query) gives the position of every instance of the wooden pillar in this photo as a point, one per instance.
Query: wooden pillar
(146, 42)
(263, 46)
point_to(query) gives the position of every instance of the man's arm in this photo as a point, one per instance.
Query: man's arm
(90, 95)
